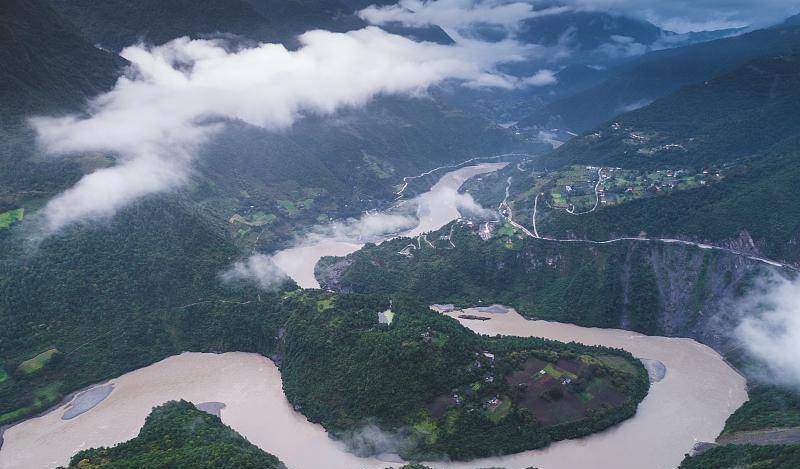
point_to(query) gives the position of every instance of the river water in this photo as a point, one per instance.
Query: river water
(690, 404)
(435, 208)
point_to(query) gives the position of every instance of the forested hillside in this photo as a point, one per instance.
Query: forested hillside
(647, 287)
(438, 390)
(177, 435)
(741, 129)
(659, 73)
(115, 24)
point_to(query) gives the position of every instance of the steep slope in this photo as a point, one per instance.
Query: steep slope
(45, 63)
(718, 120)
(177, 435)
(747, 120)
(656, 74)
(650, 287)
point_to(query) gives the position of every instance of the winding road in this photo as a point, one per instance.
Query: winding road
(507, 213)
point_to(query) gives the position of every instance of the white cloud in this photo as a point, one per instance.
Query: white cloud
(258, 269)
(770, 328)
(176, 96)
(456, 14)
(543, 77)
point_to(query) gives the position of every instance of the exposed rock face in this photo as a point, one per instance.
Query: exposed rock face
(329, 272)
(690, 292)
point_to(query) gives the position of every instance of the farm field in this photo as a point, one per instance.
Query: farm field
(37, 363)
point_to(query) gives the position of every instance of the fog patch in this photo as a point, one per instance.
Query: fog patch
(634, 105)
(370, 439)
(258, 269)
(770, 329)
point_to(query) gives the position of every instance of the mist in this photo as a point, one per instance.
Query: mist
(177, 96)
(258, 269)
(770, 329)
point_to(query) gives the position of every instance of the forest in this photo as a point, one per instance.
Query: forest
(177, 435)
(438, 389)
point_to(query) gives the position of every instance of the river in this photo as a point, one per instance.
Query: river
(435, 208)
(690, 404)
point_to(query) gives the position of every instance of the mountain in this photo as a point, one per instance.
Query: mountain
(118, 23)
(743, 126)
(655, 74)
(115, 24)
(177, 435)
(45, 63)
(718, 120)
(673, 290)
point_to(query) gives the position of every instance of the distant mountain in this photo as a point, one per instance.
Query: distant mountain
(731, 116)
(178, 435)
(115, 24)
(118, 23)
(747, 119)
(655, 74)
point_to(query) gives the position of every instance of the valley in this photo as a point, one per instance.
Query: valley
(428, 234)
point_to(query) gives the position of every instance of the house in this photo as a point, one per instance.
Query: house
(489, 379)
(488, 355)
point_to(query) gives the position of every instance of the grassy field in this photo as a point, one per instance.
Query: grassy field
(12, 216)
(36, 363)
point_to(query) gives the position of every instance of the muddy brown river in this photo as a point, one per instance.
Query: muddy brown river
(689, 405)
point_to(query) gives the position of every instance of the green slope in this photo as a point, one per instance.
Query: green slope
(747, 120)
(176, 435)
(659, 73)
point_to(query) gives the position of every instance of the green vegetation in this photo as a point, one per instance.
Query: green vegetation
(747, 132)
(746, 457)
(433, 384)
(10, 217)
(177, 435)
(612, 285)
(38, 362)
(768, 407)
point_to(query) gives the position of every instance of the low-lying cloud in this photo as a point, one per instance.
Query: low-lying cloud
(175, 97)
(770, 329)
(258, 269)
(453, 15)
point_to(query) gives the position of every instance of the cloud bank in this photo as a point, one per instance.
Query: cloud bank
(770, 329)
(178, 95)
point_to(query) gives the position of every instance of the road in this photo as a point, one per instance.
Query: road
(505, 211)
